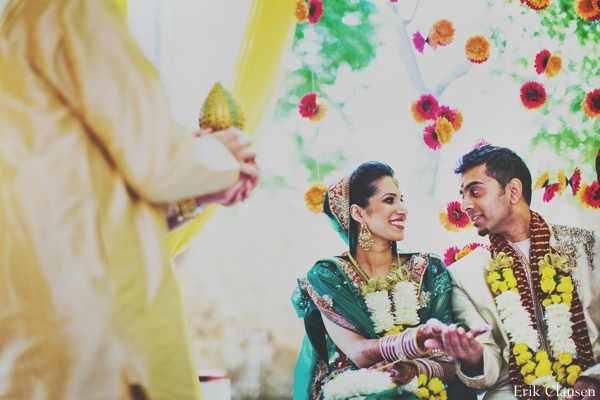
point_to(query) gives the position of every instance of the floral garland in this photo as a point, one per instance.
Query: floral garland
(355, 384)
(536, 367)
(392, 302)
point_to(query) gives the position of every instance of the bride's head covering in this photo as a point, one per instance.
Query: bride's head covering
(338, 199)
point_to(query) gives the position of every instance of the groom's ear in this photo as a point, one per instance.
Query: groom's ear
(515, 188)
(356, 213)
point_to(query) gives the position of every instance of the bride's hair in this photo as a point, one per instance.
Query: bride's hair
(363, 183)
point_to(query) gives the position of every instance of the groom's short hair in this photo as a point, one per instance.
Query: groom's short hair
(501, 163)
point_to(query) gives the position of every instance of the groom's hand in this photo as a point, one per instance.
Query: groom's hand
(461, 345)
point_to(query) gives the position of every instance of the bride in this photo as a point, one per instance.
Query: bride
(369, 311)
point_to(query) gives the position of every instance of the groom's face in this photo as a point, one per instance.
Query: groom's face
(485, 201)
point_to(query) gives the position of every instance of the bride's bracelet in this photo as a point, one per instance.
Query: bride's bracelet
(430, 369)
(401, 346)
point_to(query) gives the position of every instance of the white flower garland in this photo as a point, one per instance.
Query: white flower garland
(516, 320)
(557, 315)
(406, 303)
(560, 329)
(380, 307)
(354, 384)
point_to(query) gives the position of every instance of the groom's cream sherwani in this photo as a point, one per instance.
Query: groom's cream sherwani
(474, 304)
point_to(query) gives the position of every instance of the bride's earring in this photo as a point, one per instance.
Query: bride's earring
(365, 240)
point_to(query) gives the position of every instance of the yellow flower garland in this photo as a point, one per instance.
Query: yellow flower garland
(557, 284)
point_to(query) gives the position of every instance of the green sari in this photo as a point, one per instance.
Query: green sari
(331, 288)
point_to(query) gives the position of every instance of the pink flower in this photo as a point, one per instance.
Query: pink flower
(308, 105)
(550, 192)
(575, 181)
(315, 10)
(480, 142)
(418, 41)
(430, 137)
(450, 255)
(541, 61)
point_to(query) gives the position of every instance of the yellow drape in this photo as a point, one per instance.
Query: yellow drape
(255, 82)
(123, 5)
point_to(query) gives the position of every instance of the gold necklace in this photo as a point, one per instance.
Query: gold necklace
(394, 266)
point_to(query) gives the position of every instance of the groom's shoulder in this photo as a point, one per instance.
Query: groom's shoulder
(471, 263)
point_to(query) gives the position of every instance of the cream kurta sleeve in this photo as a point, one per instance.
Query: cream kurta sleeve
(468, 287)
(108, 82)
(89, 304)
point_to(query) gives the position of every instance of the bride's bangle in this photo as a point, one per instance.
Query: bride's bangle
(402, 346)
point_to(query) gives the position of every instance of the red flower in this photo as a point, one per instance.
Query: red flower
(575, 181)
(589, 195)
(591, 104)
(480, 142)
(550, 191)
(533, 95)
(308, 105)
(427, 107)
(450, 255)
(454, 218)
(430, 137)
(315, 10)
(418, 41)
(541, 61)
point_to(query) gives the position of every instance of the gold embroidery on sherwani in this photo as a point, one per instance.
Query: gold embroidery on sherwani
(568, 238)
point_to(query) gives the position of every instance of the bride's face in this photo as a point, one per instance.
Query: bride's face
(386, 213)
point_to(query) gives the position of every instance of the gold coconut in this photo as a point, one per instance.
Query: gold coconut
(221, 110)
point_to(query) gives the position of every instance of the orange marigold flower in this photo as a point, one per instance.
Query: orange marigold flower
(315, 196)
(477, 49)
(587, 9)
(458, 120)
(454, 116)
(542, 180)
(589, 195)
(301, 11)
(444, 130)
(416, 114)
(554, 65)
(320, 112)
(537, 4)
(444, 30)
(563, 182)
(591, 104)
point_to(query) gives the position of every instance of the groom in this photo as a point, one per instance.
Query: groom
(537, 286)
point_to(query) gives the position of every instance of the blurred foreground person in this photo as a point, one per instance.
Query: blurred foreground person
(89, 162)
